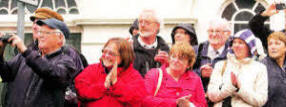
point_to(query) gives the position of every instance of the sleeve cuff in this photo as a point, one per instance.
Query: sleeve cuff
(264, 18)
(26, 53)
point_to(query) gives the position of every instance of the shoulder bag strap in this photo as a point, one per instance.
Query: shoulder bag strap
(223, 68)
(159, 81)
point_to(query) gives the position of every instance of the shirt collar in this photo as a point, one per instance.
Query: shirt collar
(152, 46)
(219, 50)
(212, 52)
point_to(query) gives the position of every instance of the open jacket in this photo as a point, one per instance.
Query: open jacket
(203, 58)
(128, 91)
(144, 58)
(36, 81)
(170, 90)
(251, 75)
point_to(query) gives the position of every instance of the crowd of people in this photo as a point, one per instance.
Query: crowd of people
(247, 69)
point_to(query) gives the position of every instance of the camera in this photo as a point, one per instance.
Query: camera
(280, 6)
(5, 38)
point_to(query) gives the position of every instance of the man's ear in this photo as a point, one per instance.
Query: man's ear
(61, 38)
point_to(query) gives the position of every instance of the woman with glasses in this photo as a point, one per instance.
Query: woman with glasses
(239, 81)
(178, 85)
(113, 82)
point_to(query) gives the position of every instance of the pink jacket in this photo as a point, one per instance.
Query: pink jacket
(170, 90)
(128, 91)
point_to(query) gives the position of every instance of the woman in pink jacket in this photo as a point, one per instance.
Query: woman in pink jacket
(113, 82)
(179, 86)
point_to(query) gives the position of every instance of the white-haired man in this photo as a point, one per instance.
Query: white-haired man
(213, 50)
(38, 78)
(148, 43)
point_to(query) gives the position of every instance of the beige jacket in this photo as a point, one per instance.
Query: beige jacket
(252, 76)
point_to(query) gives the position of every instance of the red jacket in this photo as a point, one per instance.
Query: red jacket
(129, 90)
(170, 90)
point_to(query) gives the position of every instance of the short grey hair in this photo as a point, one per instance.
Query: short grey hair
(155, 14)
(62, 34)
(220, 21)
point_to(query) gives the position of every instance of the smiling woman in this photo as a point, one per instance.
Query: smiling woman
(239, 80)
(180, 86)
(113, 82)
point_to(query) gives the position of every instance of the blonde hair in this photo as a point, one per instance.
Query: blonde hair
(184, 49)
(277, 36)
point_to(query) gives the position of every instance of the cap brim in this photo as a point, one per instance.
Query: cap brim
(46, 22)
(32, 18)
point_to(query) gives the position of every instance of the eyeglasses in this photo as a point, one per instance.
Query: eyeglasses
(46, 33)
(105, 52)
(145, 22)
(180, 58)
(217, 31)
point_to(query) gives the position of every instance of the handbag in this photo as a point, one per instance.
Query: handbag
(159, 81)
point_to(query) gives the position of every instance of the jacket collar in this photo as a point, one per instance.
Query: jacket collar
(154, 45)
(244, 61)
(53, 54)
(273, 61)
(187, 75)
(138, 47)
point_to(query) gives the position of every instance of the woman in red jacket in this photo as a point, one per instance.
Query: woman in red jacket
(113, 82)
(179, 86)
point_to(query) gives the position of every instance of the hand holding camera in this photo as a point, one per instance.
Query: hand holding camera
(13, 40)
(280, 6)
(5, 38)
(273, 9)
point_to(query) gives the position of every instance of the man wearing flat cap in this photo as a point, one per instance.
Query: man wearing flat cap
(38, 78)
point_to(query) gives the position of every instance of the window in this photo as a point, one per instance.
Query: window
(239, 12)
(60, 6)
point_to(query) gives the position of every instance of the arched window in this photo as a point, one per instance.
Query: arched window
(61, 6)
(239, 12)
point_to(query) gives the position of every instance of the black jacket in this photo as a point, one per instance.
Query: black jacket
(276, 83)
(144, 58)
(256, 25)
(35, 81)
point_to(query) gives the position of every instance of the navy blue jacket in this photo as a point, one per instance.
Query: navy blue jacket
(36, 81)
(276, 83)
(203, 58)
